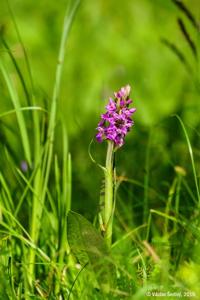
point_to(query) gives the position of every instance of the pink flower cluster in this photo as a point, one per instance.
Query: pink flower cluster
(116, 122)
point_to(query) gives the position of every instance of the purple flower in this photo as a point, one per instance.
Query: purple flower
(111, 105)
(116, 122)
(24, 166)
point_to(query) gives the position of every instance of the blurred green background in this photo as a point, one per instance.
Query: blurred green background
(112, 43)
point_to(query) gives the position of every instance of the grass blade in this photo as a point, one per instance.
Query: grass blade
(43, 174)
(187, 37)
(13, 111)
(181, 6)
(21, 43)
(191, 157)
(19, 73)
(19, 114)
(178, 53)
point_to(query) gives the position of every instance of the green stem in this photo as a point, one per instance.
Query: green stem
(171, 194)
(108, 214)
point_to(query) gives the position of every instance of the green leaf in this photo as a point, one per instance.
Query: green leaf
(88, 246)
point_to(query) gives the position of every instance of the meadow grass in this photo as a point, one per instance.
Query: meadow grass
(48, 251)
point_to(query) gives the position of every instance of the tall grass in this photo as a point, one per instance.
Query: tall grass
(40, 158)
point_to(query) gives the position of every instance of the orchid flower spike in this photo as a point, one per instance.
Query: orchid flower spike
(116, 122)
